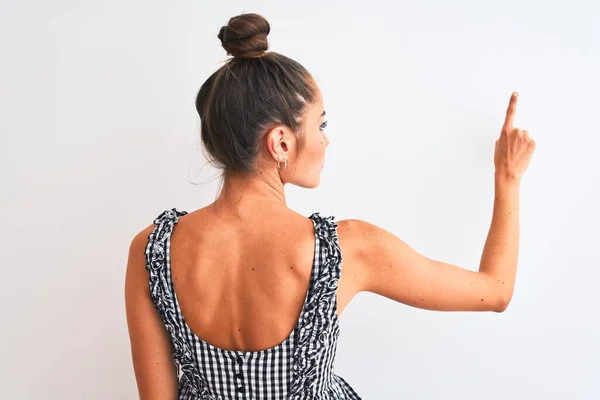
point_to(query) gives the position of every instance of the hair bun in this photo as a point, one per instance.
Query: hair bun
(245, 36)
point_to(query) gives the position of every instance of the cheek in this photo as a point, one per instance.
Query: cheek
(315, 147)
(324, 143)
(320, 146)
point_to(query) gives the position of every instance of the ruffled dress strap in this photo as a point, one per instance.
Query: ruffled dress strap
(162, 293)
(319, 328)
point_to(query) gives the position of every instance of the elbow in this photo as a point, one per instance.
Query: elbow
(502, 302)
(501, 307)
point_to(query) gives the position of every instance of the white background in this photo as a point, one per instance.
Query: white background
(98, 136)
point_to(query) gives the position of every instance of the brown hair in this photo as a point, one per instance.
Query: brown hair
(252, 92)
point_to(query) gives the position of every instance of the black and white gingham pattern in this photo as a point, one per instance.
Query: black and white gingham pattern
(301, 367)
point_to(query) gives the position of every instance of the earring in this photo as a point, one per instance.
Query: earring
(284, 166)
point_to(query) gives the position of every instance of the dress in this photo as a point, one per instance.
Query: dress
(300, 367)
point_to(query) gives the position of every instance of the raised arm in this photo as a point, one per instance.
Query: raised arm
(388, 266)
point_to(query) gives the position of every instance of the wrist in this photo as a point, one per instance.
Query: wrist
(506, 179)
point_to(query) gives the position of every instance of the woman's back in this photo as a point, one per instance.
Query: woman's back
(241, 283)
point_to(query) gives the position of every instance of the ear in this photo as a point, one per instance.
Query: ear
(280, 140)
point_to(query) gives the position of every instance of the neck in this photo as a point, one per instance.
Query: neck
(248, 193)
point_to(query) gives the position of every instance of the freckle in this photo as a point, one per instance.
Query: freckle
(291, 267)
(421, 299)
(252, 269)
(481, 299)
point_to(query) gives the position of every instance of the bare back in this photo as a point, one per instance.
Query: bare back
(241, 284)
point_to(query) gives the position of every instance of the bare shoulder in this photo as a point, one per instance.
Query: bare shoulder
(349, 233)
(384, 264)
(136, 275)
(352, 278)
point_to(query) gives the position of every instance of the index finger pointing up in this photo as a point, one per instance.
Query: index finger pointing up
(510, 111)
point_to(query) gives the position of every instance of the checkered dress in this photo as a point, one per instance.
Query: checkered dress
(301, 367)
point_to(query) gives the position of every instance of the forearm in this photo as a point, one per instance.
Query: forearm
(500, 253)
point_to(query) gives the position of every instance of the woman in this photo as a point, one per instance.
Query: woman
(261, 286)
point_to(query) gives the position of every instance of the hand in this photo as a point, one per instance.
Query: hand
(514, 148)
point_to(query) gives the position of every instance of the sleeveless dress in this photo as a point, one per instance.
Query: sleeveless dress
(300, 367)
